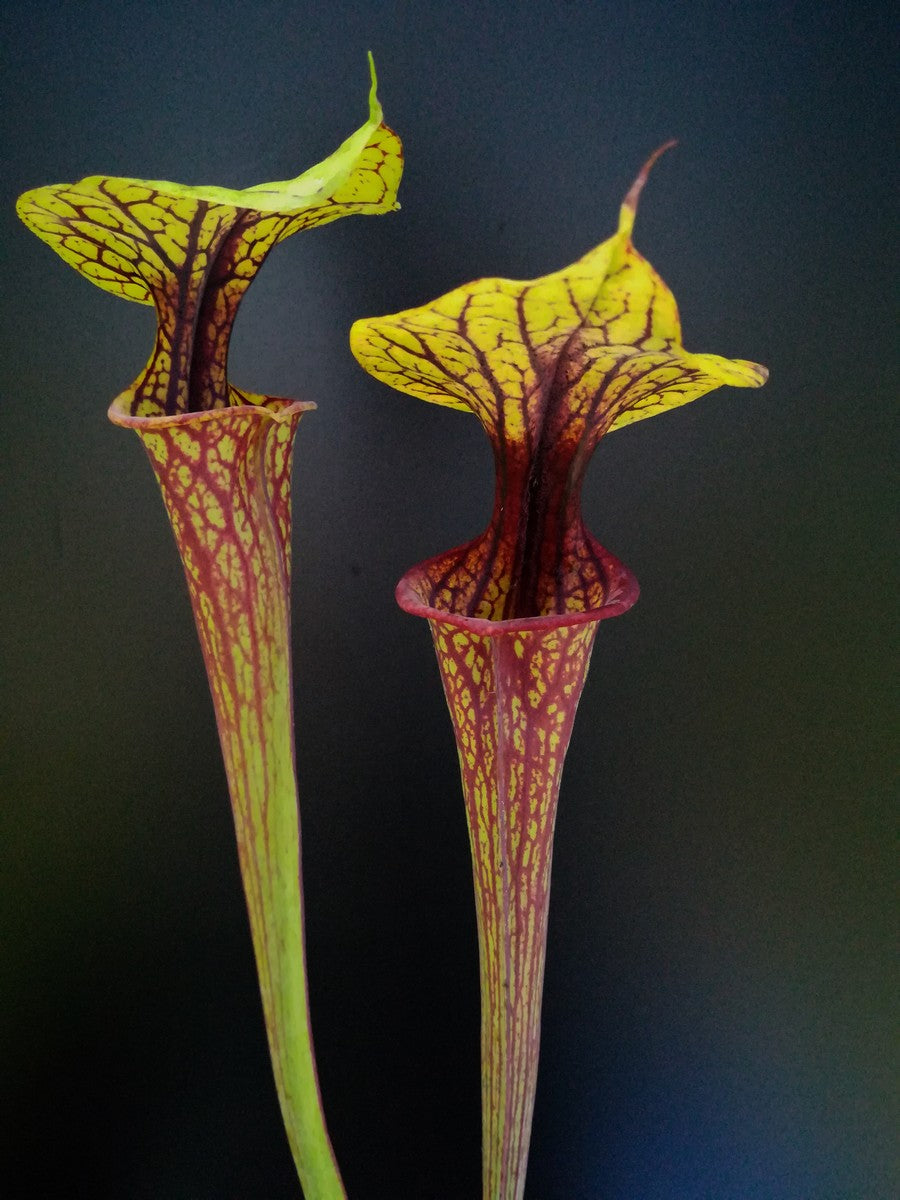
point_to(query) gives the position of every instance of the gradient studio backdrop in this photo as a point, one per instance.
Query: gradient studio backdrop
(718, 1011)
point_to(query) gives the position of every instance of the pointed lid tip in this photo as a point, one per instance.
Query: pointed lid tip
(631, 200)
(375, 111)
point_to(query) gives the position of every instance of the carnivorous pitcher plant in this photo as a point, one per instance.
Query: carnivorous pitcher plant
(222, 457)
(548, 366)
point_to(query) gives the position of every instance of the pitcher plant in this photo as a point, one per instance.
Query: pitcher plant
(548, 366)
(222, 457)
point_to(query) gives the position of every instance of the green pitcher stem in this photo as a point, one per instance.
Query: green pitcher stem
(267, 825)
(274, 896)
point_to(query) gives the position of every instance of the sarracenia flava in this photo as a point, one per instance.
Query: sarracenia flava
(548, 366)
(223, 460)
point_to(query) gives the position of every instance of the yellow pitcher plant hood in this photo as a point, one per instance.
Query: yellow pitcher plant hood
(496, 346)
(193, 251)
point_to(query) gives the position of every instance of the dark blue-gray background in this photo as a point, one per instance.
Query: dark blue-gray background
(718, 1014)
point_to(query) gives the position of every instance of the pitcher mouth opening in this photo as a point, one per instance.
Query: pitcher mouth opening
(415, 595)
(278, 408)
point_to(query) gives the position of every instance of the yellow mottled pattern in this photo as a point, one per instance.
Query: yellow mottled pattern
(512, 697)
(193, 251)
(495, 346)
(548, 366)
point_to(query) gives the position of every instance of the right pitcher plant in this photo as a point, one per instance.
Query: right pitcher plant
(548, 366)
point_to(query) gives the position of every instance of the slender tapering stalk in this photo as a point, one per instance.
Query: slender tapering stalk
(225, 477)
(512, 688)
(511, 796)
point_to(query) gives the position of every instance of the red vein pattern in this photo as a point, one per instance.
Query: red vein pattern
(512, 688)
(223, 461)
(548, 366)
(193, 256)
(511, 699)
(225, 478)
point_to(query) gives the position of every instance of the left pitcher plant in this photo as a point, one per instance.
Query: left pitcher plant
(222, 457)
